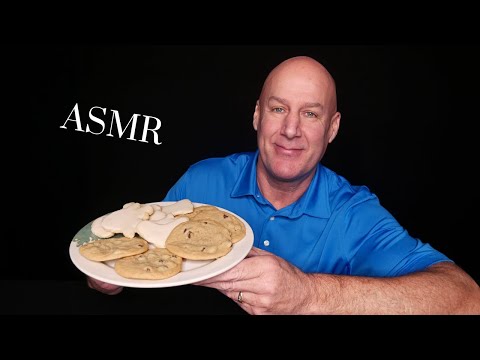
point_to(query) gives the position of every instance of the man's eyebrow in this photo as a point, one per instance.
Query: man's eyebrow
(285, 102)
(280, 100)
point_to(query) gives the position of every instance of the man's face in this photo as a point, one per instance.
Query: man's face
(295, 120)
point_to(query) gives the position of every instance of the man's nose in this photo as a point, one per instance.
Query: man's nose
(291, 125)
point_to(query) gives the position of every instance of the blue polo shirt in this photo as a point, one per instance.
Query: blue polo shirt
(335, 227)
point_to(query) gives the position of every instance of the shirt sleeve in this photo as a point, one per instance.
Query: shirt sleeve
(380, 246)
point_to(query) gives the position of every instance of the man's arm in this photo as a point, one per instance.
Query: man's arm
(271, 285)
(443, 288)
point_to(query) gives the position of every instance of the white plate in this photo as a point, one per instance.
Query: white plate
(192, 270)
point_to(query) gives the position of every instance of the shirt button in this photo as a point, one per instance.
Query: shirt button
(272, 218)
(266, 242)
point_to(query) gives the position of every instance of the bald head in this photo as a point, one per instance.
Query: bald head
(296, 72)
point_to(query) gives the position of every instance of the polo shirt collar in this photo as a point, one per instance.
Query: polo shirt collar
(247, 180)
(314, 202)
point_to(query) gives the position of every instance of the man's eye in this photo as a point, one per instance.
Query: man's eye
(310, 114)
(278, 110)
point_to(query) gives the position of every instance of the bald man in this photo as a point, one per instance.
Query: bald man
(322, 245)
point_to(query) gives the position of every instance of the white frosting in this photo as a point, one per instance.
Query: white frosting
(167, 219)
(126, 219)
(184, 206)
(99, 230)
(156, 233)
(157, 215)
(152, 222)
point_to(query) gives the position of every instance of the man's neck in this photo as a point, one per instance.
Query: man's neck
(282, 193)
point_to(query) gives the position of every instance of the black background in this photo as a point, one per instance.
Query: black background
(408, 132)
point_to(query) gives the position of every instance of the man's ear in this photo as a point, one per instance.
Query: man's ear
(334, 126)
(256, 116)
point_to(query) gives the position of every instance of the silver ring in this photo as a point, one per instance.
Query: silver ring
(240, 297)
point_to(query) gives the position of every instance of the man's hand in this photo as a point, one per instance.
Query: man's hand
(103, 287)
(268, 285)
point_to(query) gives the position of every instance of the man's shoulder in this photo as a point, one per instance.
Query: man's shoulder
(342, 190)
(336, 180)
(229, 161)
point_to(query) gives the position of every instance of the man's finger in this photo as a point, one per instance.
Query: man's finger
(241, 271)
(254, 251)
(103, 287)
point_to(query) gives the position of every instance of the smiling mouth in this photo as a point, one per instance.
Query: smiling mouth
(287, 151)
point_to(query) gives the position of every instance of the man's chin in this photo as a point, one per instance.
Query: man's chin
(287, 175)
(290, 172)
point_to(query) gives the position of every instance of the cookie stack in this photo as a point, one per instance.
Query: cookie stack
(207, 233)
